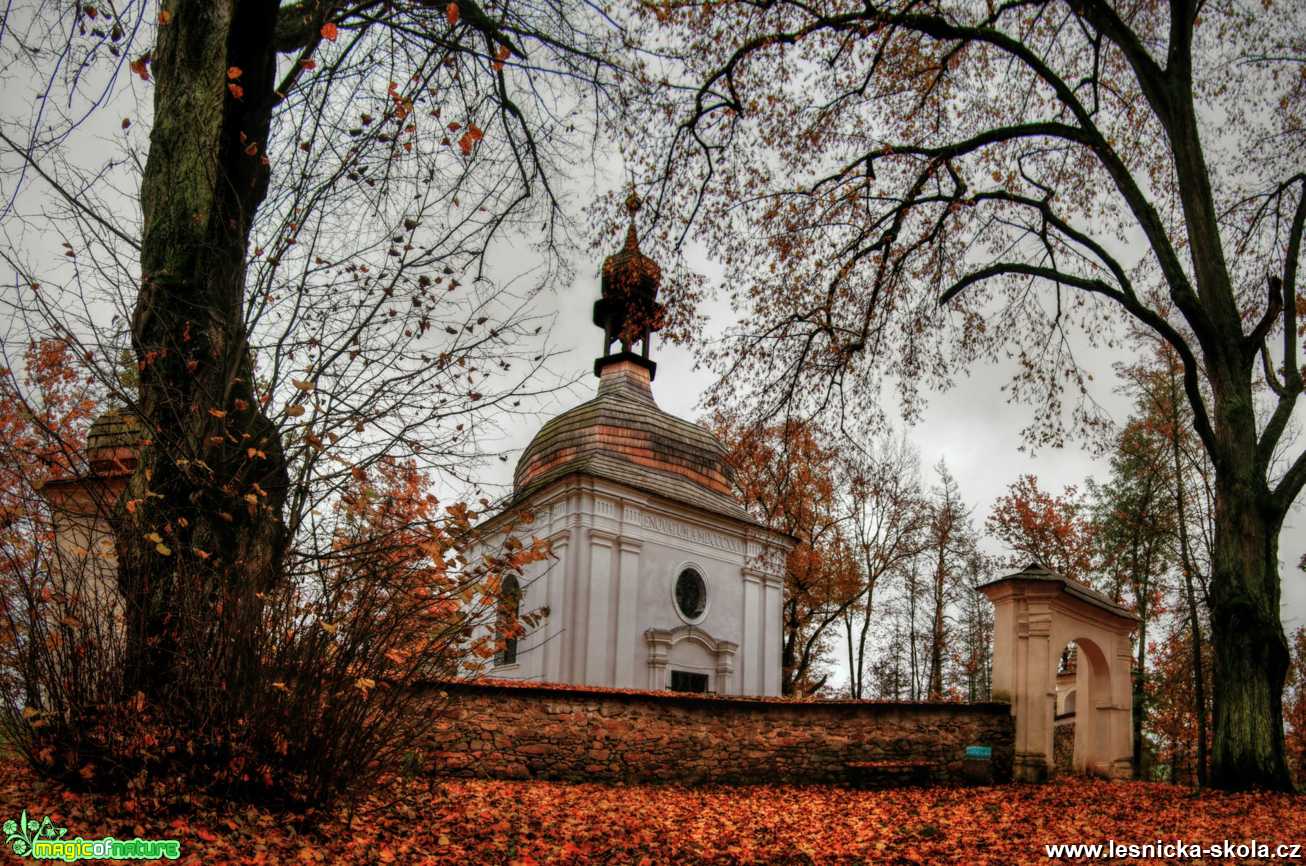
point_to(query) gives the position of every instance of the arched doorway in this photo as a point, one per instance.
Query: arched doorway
(1038, 613)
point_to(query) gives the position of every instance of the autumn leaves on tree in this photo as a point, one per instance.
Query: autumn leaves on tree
(314, 348)
(899, 191)
(875, 547)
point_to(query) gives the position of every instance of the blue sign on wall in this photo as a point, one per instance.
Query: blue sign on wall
(984, 753)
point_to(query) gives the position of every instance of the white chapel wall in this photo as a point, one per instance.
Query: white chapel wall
(610, 591)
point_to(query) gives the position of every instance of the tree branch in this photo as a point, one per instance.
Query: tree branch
(1283, 300)
(71, 199)
(1192, 386)
(1292, 374)
(1291, 484)
(1273, 306)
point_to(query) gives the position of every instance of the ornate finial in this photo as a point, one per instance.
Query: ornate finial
(628, 311)
(633, 204)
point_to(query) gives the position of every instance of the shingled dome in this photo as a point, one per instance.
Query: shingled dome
(621, 435)
(113, 441)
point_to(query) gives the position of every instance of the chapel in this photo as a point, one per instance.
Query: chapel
(659, 578)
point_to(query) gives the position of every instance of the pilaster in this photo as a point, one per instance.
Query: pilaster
(555, 598)
(659, 652)
(598, 670)
(725, 667)
(772, 633)
(1034, 700)
(627, 611)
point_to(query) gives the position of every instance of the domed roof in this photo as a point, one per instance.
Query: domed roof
(621, 435)
(114, 428)
(113, 440)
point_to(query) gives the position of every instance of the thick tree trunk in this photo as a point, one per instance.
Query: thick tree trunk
(1186, 564)
(199, 531)
(1251, 651)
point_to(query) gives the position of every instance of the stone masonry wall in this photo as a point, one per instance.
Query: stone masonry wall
(1063, 747)
(520, 731)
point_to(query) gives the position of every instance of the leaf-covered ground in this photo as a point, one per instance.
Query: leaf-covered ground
(470, 822)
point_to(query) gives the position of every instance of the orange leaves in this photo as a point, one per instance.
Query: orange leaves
(44, 416)
(1050, 529)
(141, 66)
(1294, 704)
(470, 138)
(451, 13)
(233, 88)
(330, 31)
(478, 821)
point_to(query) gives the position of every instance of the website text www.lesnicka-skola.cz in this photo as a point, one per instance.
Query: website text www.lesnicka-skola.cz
(1176, 849)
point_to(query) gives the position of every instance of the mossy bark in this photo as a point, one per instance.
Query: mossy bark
(1251, 651)
(199, 531)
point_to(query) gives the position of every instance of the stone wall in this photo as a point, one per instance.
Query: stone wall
(1063, 746)
(517, 731)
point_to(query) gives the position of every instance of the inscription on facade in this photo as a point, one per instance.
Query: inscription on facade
(689, 532)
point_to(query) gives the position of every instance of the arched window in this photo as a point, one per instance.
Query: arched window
(505, 625)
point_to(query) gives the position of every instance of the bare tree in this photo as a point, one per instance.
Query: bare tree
(949, 543)
(887, 516)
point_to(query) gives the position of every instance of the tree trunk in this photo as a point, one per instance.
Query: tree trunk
(936, 631)
(789, 651)
(1199, 679)
(1140, 680)
(1186, 564)
(199, 530)
(912, 636)
(853, 683)
(865, 630)
(1251, 651)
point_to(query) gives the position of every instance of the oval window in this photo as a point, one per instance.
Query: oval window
(691, 594)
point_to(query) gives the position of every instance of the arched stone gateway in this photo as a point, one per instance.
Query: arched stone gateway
(1037, 613)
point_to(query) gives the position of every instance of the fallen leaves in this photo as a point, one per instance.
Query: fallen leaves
(428, 821)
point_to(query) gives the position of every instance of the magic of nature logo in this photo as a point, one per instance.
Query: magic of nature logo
(42, 840)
